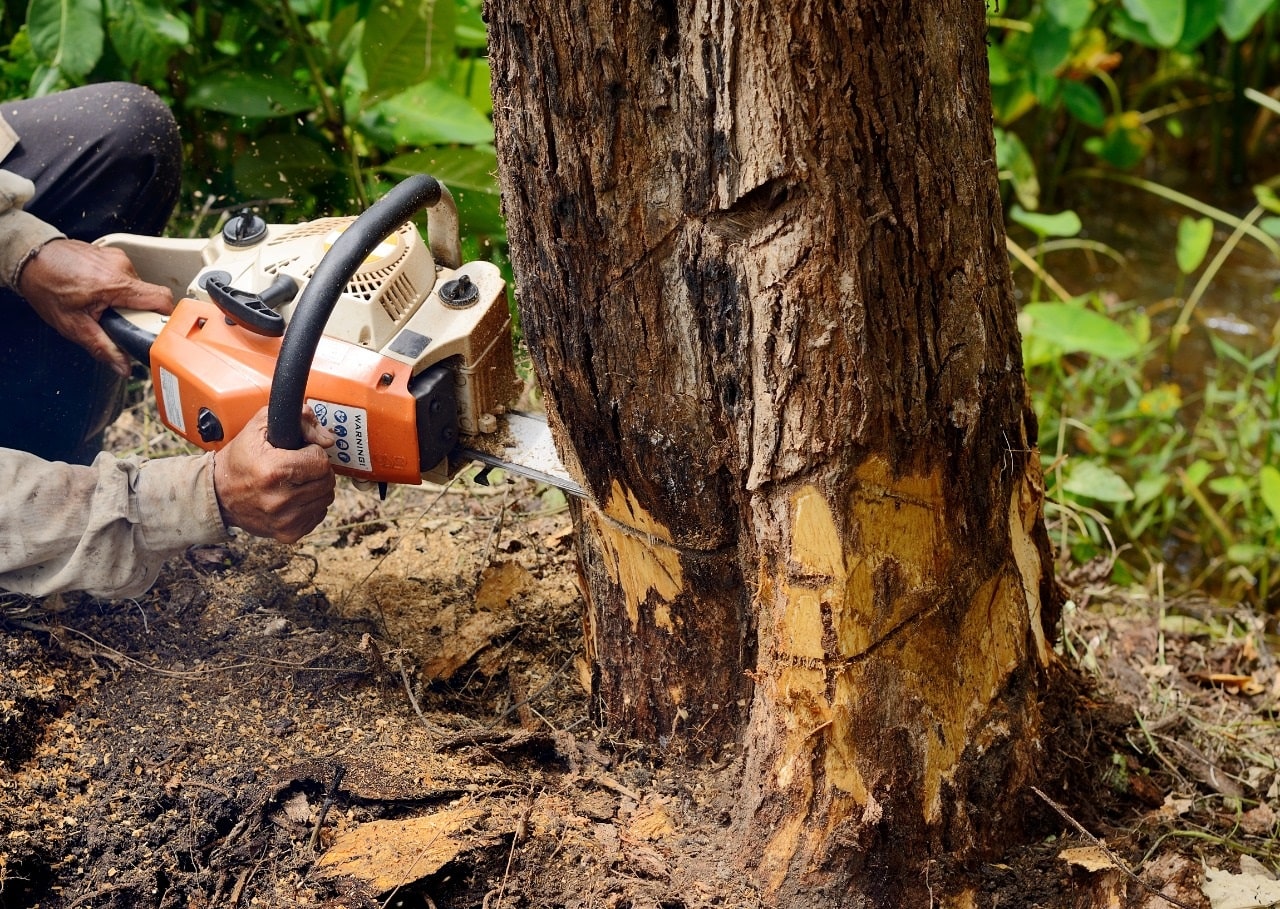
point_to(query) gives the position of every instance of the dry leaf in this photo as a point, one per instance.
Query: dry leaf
(1225, 890)
(390, 854)
(1239, 684)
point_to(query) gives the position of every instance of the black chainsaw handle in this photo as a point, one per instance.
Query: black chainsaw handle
(311, 313)
(132, 339)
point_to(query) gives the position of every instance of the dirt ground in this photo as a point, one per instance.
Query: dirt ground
(393, 713)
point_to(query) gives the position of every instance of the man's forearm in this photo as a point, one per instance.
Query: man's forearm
(105, 529)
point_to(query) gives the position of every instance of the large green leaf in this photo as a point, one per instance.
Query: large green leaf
(1063, 224)
(1089, 479)
(145, 34)
(1164, 18)
(1269, 478)
(1015, 165)
(405, 42)
(1050, 46)
(66, 35)
(1074, 14)
(1083, 103)
(1238, 17)
(1072, 328)
(250, 94)
(433, 114)
(278, 164)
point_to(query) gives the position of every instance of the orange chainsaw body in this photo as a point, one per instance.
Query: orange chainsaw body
(211, 377)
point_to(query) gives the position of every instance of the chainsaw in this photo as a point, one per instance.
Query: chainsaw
(399, 348)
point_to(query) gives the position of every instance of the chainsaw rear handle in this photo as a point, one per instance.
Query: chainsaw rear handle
(320, 296)
(132, 339)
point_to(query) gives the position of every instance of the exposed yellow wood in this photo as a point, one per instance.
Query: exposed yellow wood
(1024, 515)
(638, 555)
(885, 576)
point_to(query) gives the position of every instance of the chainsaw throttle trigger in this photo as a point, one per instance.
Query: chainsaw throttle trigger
(250, 310)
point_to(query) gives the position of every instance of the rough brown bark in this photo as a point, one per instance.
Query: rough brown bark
(759, 254)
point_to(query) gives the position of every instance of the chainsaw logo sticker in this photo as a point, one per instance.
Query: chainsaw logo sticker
(351, 426)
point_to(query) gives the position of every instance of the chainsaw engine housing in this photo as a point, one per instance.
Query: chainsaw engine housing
(415, 351)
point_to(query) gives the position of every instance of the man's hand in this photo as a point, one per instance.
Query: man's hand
(273, 492)
(70, 283)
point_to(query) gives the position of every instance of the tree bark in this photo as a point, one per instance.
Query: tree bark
(759, 254)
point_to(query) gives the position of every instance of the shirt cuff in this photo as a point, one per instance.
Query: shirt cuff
(177, 505)
(22, 235)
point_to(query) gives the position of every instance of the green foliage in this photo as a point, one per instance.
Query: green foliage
(307, 106)
(1104, 81)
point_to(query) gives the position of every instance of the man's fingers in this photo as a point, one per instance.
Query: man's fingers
(91, 337)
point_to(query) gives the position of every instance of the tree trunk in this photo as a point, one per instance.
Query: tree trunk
(760, 259)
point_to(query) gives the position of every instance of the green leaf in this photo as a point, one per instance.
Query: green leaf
(1238, 17)
(250, 94)
(1269, 479)
(1074, 329)
(998, 65)
(1149, 488)
(432, 114)
(1230, 485)
(1246, 553)
(145, 34)
(1164, 18)
(1015, 165)
(403, 44)
(1050, 46)
(1089, 479)
(1063, 224)
(1198, 472)
(1074, 14)
(1083, 103)
(278, 163)
(1202, 21)
(1125, 142)
(67, 35)
(1270, 225)
(1194, 237)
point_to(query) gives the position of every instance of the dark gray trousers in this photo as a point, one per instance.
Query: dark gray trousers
(104, 158)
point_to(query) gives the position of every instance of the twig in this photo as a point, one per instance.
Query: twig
(533, 697)
(1111, 856)
(338, 773)
(408, 689)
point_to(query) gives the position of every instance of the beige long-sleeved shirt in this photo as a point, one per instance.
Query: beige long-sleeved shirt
(107, 528)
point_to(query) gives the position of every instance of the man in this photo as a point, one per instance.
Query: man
(78, 165)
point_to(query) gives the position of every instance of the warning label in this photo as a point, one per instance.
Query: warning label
(351, 426)
(171, 395)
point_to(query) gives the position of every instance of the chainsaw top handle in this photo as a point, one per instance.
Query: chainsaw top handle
(320, 296)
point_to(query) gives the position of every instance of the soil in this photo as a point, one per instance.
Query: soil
(394, 713)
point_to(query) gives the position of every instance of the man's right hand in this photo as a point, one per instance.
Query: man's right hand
(273, 492)
(71, 283)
